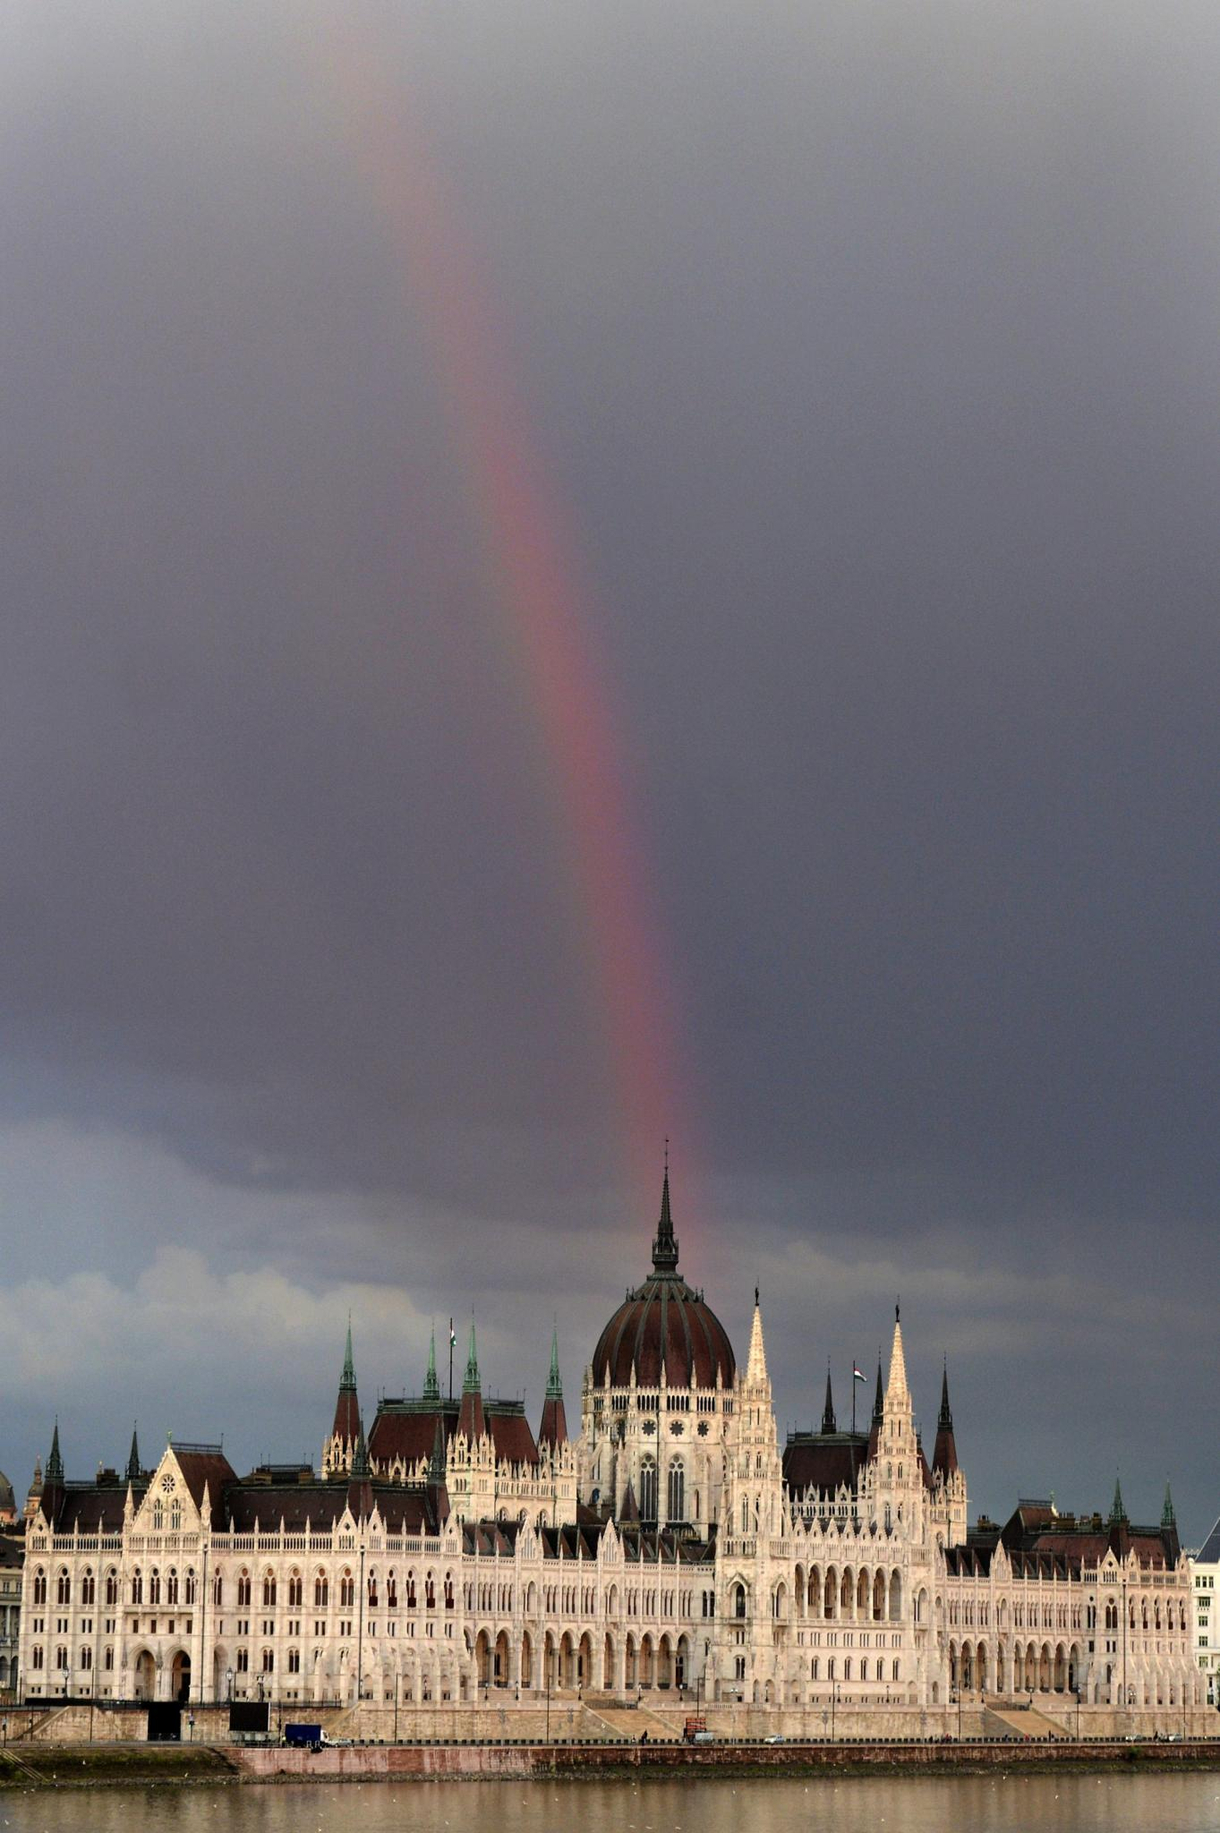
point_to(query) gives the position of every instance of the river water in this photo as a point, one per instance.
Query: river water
(980, 1804)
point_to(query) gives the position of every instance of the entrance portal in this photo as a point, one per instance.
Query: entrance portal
(182, 1677)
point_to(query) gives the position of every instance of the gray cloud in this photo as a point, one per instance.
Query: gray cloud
(870, 359)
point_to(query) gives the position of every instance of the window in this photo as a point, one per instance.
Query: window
(295, 1590)
(40, 1586)
(88, 1586)
(218, 1592)
(108, 1661)
(347, 1590)
(321, 1591)
(137, 1586)
(648, 1489)
(242, 1663)
(190, 1587)
(154, 1586)
(268, 1590)
(112, 1587)
(676, 1510)
(63, 1588)
(294, 1661)
(243, 1590)
(36, 1657)
(171, 1588)
(61, 1660)
(86, 1659)
(268, 1661)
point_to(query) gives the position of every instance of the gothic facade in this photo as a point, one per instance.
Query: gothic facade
(674, 1550)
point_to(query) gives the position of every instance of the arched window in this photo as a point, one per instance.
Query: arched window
(648, 1489)
(676, 1510)
(391, 1591)
(294, 1591)
(411, 1589)
(112, 1586)
(88, 1587)
(63, 1588)
(171, 1588)
(40, 1586)
(372, 1590)
(158, 1516)
(175, 1517)
(190, 1585)
(268, 1590)
(745, 1515)
(154, 1586)
(429, 1592)
(218, 1591)
(347, 1590)
(321, 1591)
(137, 1587)
(243, 1589)
(739, 1600)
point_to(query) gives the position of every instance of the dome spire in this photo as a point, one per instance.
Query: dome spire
(664, 1246)
(432, 1387)
(828, 1411)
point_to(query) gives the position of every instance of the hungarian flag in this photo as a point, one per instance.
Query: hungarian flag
(453, 1339)
(857, 1374)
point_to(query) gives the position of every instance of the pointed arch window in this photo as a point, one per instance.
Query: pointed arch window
(648, 1489)
(676, 1502)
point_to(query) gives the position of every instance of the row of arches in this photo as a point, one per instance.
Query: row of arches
(850, 1594)
(569, 1663)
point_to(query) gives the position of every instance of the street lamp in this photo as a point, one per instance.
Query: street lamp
(229, 1684)
(834, 1700)
(955, 1699)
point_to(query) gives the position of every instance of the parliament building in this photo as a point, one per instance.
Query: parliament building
(671, 1556)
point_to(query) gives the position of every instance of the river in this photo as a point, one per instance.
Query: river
(980, 1804)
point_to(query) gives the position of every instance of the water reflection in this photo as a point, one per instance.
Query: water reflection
(1003, 1803)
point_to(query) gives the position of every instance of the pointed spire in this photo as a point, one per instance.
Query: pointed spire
(879, 1399)
(665, 1246)
(897, 1394)
(133, 1457)
(360, 1459)
(554, 1427)
(55, 1463)
(828, 1411)
(944, 1452)
(756, 1361)
(1168, 1518)
(1117, 1512)
(471, 1420)
(347, 1406)
(432, 1387)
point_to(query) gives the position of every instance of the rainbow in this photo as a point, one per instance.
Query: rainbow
(548, 612)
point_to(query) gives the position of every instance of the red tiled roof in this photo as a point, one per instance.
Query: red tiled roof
(664, 1323)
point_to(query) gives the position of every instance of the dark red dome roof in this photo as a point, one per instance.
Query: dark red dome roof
(666, 1323)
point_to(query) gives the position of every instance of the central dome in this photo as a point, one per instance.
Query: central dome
(664, 1324)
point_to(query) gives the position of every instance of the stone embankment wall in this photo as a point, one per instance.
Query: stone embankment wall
(438, 1762)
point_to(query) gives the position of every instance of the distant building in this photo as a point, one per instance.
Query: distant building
(450, 1555)
(1205, 1567)
(12, 1556)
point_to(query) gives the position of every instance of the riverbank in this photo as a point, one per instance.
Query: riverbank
(182, 1765)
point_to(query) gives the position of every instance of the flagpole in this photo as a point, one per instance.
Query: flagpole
(853, 1400)
(451, 1358)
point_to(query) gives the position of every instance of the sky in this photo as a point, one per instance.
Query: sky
(576, 575)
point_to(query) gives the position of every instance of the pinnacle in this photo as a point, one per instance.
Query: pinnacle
(554, 1387)
(432, 1388)
(756, 1361)
(471, 1382)
(897, 1393)
(665, 1246)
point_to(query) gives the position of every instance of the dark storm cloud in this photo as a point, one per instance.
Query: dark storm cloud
(872, 355)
